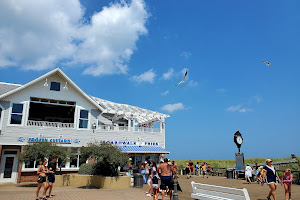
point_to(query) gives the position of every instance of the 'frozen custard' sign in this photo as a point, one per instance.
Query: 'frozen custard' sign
(49, 139)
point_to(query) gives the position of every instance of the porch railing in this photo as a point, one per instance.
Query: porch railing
(50, 124)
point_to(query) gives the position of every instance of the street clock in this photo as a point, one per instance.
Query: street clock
(238, 139)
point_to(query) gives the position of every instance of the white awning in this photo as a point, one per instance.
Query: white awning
(104, 120)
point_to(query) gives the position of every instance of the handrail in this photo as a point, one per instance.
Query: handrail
(50, 124)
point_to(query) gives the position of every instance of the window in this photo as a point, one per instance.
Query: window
(83, 119)
(29, 164)
(16, 114)
(55, 86)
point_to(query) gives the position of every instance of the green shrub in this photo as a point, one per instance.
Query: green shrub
(87, 169)
(107, 157)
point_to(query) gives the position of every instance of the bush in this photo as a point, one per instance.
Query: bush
(87, 169)
(107, 157)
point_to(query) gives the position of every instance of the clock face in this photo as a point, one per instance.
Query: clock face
(239, 140)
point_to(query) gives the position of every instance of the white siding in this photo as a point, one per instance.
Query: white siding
(11, 133)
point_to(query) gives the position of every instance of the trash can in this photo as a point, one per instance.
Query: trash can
(138, 180)
(230, 173)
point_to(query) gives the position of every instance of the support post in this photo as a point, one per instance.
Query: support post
(175, 194)
(20, 167)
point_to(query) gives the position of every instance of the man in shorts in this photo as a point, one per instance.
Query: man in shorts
(51, 175)
(165, 170)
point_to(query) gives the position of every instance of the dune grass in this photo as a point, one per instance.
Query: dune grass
(227, 163)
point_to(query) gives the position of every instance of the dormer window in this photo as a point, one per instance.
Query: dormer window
(55, 86)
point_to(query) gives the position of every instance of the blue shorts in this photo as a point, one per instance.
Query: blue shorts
(166, 181)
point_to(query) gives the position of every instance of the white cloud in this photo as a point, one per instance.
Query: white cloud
(221, 90)
(168, 75)
(165, 93)
(193, 83)
(173, 107)
(186, 54)
(256, 99)
(38, 35)
(147, 76)
(238, 108)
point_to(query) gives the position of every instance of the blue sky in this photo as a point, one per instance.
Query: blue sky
(135, 52)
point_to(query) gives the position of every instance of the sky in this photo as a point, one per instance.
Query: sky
(134, 52)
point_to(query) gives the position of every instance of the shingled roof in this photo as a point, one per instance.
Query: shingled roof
(6, 87)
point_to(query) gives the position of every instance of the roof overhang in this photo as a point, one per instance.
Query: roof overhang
(56, 70)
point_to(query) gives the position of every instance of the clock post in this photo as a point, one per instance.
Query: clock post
(239, 157)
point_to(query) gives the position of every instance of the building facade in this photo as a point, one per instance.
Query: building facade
(53, 108)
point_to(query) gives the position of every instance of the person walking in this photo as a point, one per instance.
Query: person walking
(204, 170)
(153, 169)
(191, 167)
(187, 170)
(165, 169)
(287, 179)
(51, 174)
(248, 173)
(208, 169)
(197, 169)
(271, 178)
(42, 170)
(143, 172)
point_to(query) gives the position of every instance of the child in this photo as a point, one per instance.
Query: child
(154, 183)
(287, 179)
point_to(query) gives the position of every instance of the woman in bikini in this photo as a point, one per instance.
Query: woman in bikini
(287, 180)
(42, 170)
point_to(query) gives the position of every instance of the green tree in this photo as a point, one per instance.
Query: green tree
(107, 158)
(40, 150)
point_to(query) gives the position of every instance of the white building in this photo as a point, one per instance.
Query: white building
(53, 108)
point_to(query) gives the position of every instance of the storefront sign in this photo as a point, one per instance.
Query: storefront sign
(49, 139)
(122, 143)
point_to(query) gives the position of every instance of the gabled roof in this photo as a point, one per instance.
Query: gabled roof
(142, 115)
(56, 70)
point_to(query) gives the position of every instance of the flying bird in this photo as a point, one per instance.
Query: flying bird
(182, 79)
(267, 63)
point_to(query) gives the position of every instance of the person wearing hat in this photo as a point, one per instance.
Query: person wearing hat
(248, 173)
(271, 178)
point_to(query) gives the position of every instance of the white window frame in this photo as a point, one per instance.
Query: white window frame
(89, 119)
(66, 168)
(10, 113)
(1, 119)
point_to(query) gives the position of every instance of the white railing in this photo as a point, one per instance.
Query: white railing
(147, 130)
(125, 128)
(50, 124)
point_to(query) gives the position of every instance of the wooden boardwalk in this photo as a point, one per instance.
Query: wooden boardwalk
(256, 191)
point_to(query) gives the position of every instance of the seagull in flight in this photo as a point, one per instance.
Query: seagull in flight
(182, 79)
(267, 63)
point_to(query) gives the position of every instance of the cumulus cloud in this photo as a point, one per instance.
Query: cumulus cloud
(193, 83)
(238, 108)
(168, 75)
(173, 107)
(186, 54)
(165, 93)
(39, 34)
(147, 76)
